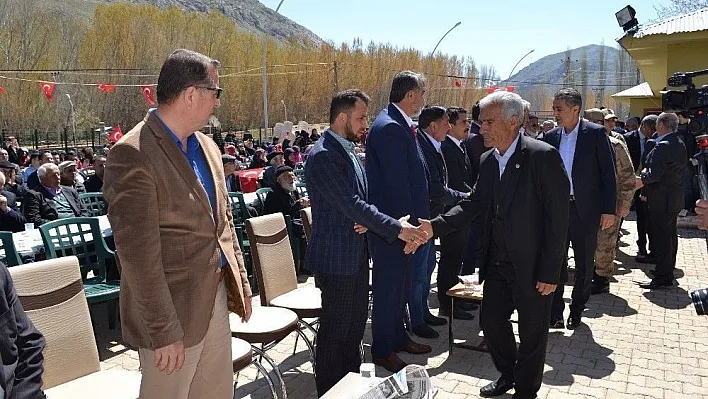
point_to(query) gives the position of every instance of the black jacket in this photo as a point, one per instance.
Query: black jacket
(280, 200)
(474, 146)
(634, 146)
(594, 177)
(533, 212)
(15, 155)
(93, 184)
(458, 167)
(663, 174)
(21, 346)
(441, 196)
(39, 208)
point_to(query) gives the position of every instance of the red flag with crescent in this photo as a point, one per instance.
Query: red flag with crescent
(115, 135)
(2, 90)
(148, 93)
(106, 87)
(48, 90)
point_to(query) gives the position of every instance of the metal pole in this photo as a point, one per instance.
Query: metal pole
(517, 64)
(286, 109)
(265, 79)
(73, 119)
(443, 36)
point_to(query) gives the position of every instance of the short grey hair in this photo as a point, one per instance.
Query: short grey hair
(668, 119)
(650, 121)
(47, 167)
(571, 97)
(511, 103)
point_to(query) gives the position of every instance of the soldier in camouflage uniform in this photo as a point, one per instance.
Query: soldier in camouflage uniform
(607, 239)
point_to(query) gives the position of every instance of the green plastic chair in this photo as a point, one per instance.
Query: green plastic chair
(81, 237)
(301, 189)
(240, 214)
(300, 174)
(94, 203)
(7, 243)
(238, 207)
(260, 198)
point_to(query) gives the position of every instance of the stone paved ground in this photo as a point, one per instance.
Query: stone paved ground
(634, 343)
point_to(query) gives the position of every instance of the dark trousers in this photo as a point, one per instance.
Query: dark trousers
(503, 294)
(452, 251)
(640, 207)
(583, 235)
(345, 301)
(663, 226)
(469, 263)
(391, 284)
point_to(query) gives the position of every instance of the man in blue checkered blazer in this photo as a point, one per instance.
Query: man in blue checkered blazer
(338, 251)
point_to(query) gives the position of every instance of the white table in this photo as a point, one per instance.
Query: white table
(105, 384)
(352, 386)
(30, 243)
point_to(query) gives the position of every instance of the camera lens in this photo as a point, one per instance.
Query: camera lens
(700, 301)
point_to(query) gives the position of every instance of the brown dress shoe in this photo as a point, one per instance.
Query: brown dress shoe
(392, 363)
(414, 348)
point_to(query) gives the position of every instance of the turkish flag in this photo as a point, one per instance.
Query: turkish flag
(458, 83)
(148, 93)
(2, 90)
(510, 88)
(48, 90)
(115, 135)
(491, 90)
(106, 87)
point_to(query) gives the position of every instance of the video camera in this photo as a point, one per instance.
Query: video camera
(694, 103)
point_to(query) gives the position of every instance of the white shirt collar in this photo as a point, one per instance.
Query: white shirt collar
(504, 159)
(434, 142)
(456, 141)
(408, 119)
(575, 129)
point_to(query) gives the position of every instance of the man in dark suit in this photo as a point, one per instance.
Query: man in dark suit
(637, 146)
(398, 187)
(338, 251)
(94, 184)
(284, 198)
(453, 247)
(434, 123)
(51, 201)
(662, 179)
(21, 346)
(521, 179)
(15, 153)
(589, 162)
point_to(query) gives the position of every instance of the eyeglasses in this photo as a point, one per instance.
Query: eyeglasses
(218, 90)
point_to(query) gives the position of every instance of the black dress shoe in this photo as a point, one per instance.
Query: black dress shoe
(457, 314)
(392, 363)
(573, 322)
(655, 284)
(496, 388)
(557, 324)
(600, 286)
(434, 320)
(467, 306)
(424, 331)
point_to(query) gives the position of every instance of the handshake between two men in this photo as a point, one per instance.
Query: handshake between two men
(413, 236)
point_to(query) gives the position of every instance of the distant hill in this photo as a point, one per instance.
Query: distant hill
(248, 14)
(618, 69)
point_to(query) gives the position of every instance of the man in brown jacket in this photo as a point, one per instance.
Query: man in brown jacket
(175, 238)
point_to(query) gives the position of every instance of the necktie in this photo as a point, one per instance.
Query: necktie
(415, 132)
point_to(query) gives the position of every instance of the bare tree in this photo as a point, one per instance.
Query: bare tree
(677, 7)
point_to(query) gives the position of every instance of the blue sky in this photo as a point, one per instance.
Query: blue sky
(497, 32)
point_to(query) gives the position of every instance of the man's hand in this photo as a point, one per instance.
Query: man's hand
(545, 288)
(426, 226)
(247, 308)
(170, 358)
(606, 221)
(702, 211)
(360, 229)
(622, 211)
(643, 198)
(412, 234)
(638, 183)
(304, 201)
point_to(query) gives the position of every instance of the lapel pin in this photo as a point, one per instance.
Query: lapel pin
(518, 166)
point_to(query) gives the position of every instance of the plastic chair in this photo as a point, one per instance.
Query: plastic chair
(301, 189)
(81, 237)
(260, 198)
(94, 203)
(7, 243)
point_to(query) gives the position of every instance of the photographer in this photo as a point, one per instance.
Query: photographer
(689, 188)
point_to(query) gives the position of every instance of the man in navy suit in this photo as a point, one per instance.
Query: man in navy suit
(338, 252)
(397, 187)
(589, 161)
(662, 179)
(432, 130)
